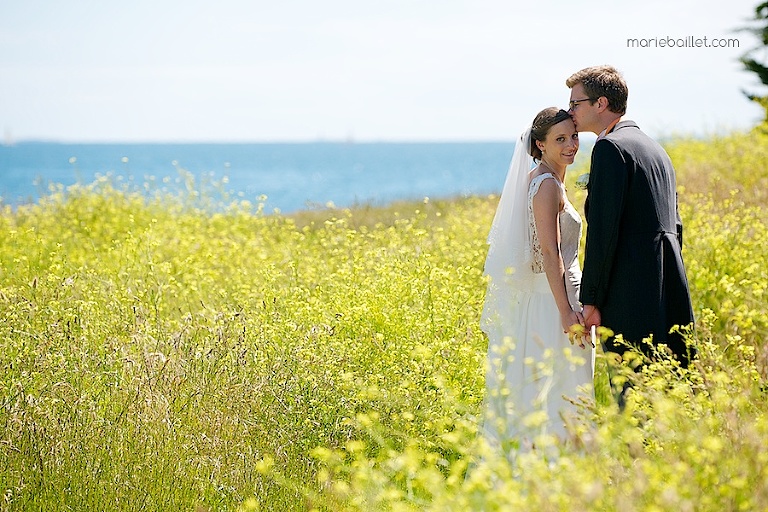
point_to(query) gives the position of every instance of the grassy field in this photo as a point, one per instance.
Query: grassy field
(156, 356)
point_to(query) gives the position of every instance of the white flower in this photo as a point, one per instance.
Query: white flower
(582, 181)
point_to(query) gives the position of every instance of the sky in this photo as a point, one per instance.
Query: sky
(362, 70)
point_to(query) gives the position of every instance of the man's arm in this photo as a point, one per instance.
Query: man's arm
(607, 193)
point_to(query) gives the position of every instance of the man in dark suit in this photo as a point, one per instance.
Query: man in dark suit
(633, 279)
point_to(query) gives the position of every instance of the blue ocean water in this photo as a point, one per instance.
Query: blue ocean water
(293, 176)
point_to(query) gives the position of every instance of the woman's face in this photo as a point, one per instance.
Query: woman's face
(561, 143)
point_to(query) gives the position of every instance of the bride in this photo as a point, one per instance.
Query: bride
(532, 313)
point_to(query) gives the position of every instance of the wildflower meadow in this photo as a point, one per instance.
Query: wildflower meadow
(183, 352)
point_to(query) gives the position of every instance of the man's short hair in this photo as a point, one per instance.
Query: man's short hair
(602, 81)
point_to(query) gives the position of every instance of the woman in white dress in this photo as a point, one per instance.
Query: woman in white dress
(537, 360)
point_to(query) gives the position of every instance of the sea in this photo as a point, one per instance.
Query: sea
(285, 177)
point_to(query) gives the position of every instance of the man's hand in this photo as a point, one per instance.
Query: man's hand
(592, 320)
(591, 316)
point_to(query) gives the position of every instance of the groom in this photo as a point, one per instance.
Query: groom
(633, 280)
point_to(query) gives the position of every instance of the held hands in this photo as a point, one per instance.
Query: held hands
(581, 326)
(574, 327)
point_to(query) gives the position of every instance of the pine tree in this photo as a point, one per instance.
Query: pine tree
(760, 30)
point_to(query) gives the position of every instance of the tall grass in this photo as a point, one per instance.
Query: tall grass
(158, 356)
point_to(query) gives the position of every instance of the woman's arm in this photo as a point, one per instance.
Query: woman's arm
(547, 204)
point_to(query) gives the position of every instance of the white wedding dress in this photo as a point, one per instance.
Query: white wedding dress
(532, 367)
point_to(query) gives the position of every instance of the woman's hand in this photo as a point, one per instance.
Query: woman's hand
(574, 326)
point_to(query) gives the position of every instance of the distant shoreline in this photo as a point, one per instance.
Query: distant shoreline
(31, 142)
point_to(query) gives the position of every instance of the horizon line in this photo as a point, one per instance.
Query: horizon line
(351, 141)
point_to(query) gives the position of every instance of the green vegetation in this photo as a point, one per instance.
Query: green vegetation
(156, 356)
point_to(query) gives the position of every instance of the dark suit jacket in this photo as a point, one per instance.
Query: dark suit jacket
(633, 266)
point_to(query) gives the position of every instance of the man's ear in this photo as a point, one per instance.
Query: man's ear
(602, 103)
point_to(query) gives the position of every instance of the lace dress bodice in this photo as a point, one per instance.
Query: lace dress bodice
(570, 236)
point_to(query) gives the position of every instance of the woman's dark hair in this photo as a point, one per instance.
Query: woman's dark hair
(543, 121)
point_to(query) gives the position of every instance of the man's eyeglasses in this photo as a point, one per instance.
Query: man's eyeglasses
(572, 104)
